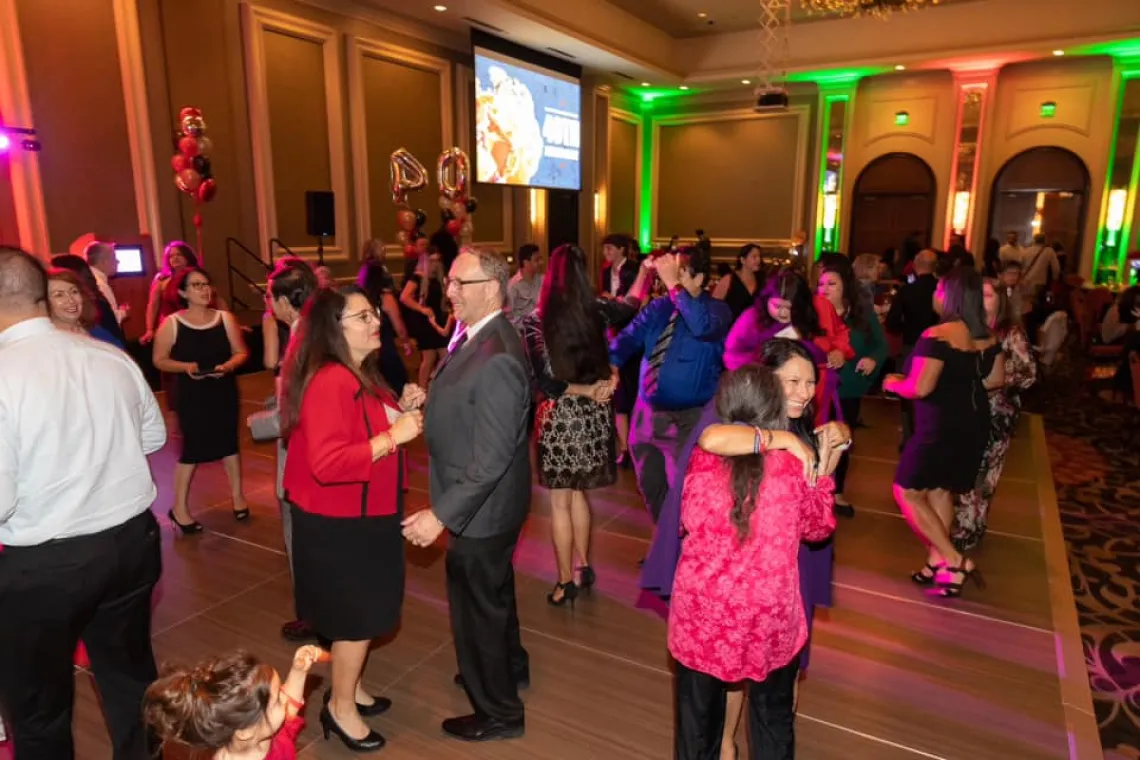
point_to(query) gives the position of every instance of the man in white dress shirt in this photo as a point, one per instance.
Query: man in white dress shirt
(81, 551)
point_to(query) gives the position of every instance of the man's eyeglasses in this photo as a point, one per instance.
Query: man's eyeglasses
(459, 282)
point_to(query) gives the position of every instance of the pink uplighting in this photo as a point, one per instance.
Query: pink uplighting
(5, 143)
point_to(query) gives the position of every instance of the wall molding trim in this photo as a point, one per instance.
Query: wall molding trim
(16, 109)
(143, 168)
(627, 117)
(464, 124)
(359, 48)
(802, 115)
(256, 22)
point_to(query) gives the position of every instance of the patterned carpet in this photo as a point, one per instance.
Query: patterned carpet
(1095, 451)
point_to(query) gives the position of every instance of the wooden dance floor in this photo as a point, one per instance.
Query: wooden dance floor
(895, 675)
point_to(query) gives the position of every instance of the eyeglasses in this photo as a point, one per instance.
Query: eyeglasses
(459, 282)
(365, 317)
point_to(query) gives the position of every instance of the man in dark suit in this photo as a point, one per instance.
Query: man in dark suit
(477, 436)
(621, 267)
(912, 312)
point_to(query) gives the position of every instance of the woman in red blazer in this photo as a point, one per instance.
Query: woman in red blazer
(343, 485)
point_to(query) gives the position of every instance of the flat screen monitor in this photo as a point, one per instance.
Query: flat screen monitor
(527, 124)
(130, 258)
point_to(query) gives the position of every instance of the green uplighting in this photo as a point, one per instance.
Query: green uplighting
(650, 94)
(834, 76)
(645, 202)
(1122, 50)
(827, 236)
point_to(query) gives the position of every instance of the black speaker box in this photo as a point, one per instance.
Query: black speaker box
(320, 213)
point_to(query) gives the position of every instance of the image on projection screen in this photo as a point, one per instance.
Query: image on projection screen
(527, 124)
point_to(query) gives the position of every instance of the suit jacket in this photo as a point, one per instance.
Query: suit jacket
(627, 276)
(477, 429)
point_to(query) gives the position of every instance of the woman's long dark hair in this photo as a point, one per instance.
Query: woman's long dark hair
(852, 303)
(752, 396)
(572, 326)
(775, 354)
(790, 286)
(963, 299)
(320, 341)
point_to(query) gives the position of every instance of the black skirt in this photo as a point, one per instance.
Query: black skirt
(348, 574)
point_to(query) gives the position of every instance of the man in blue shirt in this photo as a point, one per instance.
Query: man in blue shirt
(682, 336)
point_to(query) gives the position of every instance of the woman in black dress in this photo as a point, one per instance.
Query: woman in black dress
(565, 340)
(738, 289)
(377, 283)
(952, 367)
(202, 347)
(427, 313)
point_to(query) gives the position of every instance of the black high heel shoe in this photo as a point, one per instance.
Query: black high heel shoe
(586, 578)
(188, 528)
(379, 706)
(953, 589)
(373, 741)
(241, 514)
(569, 594)
(921, 578)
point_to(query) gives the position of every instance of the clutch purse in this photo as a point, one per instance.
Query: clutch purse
(265, 425)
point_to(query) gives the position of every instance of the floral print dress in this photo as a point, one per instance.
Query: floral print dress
(972, 509)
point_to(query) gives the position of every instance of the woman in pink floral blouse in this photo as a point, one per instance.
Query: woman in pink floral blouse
(973, 507)
(736, 613)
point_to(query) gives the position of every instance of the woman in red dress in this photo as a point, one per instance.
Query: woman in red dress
(232, 706)
(344, 488)
(736, 614)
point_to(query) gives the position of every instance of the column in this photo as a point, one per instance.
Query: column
(835, 105)
(973, 91)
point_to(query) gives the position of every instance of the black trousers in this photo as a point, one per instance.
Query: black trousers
(485, 623)
(96, 588)
(699, 714)
(850, 407)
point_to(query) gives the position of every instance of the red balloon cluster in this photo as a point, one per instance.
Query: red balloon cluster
(191, 160)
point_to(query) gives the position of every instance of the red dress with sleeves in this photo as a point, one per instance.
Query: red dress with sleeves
(329, 469)
(736, 612)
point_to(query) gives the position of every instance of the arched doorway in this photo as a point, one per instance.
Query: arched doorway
(1044, 191)
(893, 200)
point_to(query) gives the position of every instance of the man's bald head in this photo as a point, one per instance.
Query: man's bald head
(23, 287)
(925, 262)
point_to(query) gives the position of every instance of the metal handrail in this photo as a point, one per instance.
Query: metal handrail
(231, 270)
(277, 242)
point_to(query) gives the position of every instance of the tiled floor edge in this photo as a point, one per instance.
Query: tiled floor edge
(1084, 736)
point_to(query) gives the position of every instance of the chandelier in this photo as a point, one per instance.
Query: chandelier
(873, 8)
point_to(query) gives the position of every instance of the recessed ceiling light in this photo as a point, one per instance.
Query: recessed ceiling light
(900, 67)
(645, 84)
(1058, 52)
(684, 87)
(702, 14)
(441, 8)
(746, 81)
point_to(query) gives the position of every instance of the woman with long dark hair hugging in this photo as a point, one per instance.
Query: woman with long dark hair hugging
(736, 615)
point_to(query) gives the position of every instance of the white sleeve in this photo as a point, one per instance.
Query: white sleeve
(8, 462)
(153, 432)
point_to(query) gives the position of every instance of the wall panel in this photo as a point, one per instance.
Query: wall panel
(624, 171)
(77, 102)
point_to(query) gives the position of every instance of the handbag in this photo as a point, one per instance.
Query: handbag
(265, 426)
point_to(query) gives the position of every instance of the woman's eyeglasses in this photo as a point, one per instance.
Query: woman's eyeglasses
(365, 317)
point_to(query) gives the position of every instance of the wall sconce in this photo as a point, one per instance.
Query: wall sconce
(1114, 219)
(902, 118)
(830, 214)
(600, 210)
(1048, 109)
(961, 215)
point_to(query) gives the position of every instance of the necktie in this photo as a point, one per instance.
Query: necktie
(657, 355)
(459, 343)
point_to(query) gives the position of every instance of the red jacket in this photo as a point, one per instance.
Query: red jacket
(328, 468)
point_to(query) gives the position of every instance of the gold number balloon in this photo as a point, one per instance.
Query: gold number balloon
(408, 174)
(451, 172)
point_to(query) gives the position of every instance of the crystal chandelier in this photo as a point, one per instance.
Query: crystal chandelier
(874, 8)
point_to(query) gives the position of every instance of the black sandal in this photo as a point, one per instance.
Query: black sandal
(921, 578)
(953, 590)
